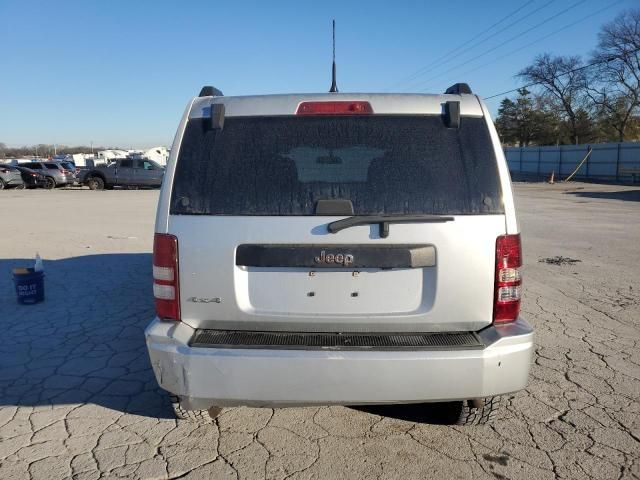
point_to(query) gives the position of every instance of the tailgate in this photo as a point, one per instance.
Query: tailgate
(291, 274)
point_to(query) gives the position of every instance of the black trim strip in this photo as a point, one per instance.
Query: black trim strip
(336, 341)
(384, 221)
(336, 256)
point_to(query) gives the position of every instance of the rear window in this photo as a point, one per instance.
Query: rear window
(382, 164)
(51, 166)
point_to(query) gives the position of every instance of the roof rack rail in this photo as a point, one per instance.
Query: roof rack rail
(209, 91)
(458, 88)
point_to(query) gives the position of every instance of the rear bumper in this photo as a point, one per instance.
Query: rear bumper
(268, 377)
(59, 179)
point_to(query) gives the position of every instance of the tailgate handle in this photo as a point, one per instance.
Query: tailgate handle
(336, 256)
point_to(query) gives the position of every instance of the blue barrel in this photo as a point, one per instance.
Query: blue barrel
(29, 286)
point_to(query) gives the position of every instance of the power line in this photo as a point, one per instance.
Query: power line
(573, 70)
(547, 20)
(555, 32)
(420, 71)
(449, 57)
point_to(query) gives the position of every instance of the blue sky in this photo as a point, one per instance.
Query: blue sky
(119, 73)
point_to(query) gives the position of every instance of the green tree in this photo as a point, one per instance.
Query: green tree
(585, 127)
(516, 120)
(506, 122)
(547, 118)
(530, 120)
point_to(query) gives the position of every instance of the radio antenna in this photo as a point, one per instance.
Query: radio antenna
(334, 87)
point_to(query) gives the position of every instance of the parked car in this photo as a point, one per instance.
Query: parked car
(33, 179)
(56, 175)
(10, 177)
(123, 173)
(338, 249)
(71, 168)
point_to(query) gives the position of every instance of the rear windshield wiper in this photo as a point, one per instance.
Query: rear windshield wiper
(384, 221)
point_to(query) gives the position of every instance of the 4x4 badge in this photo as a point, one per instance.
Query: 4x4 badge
(338, 258)
(204, 300)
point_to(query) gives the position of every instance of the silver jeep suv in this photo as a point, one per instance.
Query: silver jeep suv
(337, 249)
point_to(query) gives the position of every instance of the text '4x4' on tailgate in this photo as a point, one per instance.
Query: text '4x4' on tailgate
(254, 207)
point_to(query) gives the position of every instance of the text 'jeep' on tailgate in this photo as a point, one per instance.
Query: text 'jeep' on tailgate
(337, 249)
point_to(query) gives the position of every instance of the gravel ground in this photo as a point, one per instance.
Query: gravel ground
(78, 398)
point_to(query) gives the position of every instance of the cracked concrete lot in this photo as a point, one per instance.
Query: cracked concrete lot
(78, 398)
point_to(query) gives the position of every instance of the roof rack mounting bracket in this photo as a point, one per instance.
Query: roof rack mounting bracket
(458, 89)
(209, 91)
(216, 116)
(452, 114)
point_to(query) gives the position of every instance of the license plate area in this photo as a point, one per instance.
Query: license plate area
(335, 292)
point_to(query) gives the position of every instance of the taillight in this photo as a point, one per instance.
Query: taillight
(508, 280)
(166, 288)
(334, 108)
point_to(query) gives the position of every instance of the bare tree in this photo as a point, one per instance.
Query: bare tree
(614, 83)
(561, 81)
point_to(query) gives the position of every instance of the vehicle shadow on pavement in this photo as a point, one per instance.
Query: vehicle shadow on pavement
(85, 342)
(445, 413)
(626, 195)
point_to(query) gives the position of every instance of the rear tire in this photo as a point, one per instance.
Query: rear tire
(96, 183)
(50, 183)
(480, 411)
(2, 184)
(203, 417)
(22, 186)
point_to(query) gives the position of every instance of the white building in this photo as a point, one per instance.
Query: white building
(107, 156)
(157, 154)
